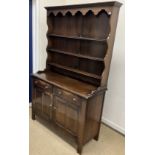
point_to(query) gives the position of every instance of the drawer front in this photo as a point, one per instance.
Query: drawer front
(67, 95)
(43, 85)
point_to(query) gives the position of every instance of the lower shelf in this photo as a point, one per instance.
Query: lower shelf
(76, 71)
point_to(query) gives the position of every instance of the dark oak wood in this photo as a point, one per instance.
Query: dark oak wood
(70, 92)
(76, 55)
(102, 4)
(76, 37)
(77, 87)
(75, 70)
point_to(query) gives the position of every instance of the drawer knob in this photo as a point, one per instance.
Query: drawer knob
(74, 99)
(59, 93)
(46, 87)
(109, 13)
(50, 105)
(36, 82)
(54, 108)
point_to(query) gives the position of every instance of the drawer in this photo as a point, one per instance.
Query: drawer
(67, 95)
(43, 85)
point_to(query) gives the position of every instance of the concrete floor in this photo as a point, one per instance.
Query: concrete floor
(43, 141)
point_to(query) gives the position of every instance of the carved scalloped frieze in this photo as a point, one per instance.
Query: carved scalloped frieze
(83, 11)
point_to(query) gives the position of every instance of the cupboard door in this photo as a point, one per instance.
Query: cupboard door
(47, 105)
(66, 115)
(43, 103)
(38, 100)
(72, 112)
(59, 111)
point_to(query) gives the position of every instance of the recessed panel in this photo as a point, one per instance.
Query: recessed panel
(66, 45)
(65, 60)
(91, 66)
(96, 26)
(94, 49)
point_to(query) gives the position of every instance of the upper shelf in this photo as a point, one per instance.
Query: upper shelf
(84, 8)
(76, 37)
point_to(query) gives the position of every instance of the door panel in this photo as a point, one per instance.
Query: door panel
(66, 114)
(47, 105)
(38, 101)
(60, 111)
(72, 118)
(43, 103)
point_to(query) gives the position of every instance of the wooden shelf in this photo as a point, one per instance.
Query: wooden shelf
(76, 71)
(67, 83)
(75, 54)
(76, 37)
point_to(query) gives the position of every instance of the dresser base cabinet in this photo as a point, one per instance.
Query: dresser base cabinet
(69, 93)
(78, 116)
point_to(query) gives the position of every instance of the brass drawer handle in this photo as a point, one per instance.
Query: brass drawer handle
(54, 108)
(46, 86)
(59, 92)
(74, 99)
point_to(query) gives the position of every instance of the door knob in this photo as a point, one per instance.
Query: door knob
(54, 108)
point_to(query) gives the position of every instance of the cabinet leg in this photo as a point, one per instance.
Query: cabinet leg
(33, 116)
(79, 149)
(96, 137)
(98, 132)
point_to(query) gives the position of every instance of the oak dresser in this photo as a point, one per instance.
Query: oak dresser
(69, 92)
